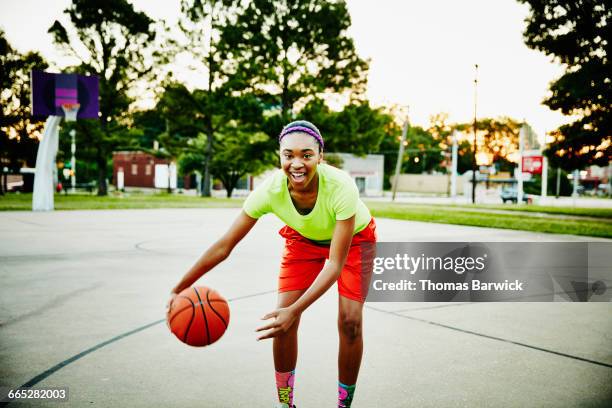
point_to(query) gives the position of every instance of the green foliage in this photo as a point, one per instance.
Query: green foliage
(565, 185)
(441, 129)
(498, 138)
(358, 128)
(237, 143)
(238, 152)
(18, 131)
(286, 50)
(389, 147)
(464, 156)
(577, 34)
(420, 144)
(188, 113)
(151, 125)
(422, 153)
(334, 160)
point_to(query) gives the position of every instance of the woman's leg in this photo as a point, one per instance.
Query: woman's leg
(285, 345)
(351, 348)
(285, 349)
(351, 340)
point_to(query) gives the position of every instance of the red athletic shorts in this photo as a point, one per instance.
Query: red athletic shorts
(303, 259)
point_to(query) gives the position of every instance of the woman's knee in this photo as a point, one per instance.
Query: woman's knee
(349, 325)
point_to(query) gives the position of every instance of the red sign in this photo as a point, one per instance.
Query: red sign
(532, 164)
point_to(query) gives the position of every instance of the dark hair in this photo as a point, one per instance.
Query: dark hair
(302, 126)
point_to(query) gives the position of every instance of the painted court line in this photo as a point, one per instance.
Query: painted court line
(38, 378)
(517, 343)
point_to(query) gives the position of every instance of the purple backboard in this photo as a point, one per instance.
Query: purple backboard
(51, 91)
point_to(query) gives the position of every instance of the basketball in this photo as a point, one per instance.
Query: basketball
(198, 316)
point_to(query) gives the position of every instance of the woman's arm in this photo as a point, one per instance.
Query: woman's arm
(216, 253)
(338, 251)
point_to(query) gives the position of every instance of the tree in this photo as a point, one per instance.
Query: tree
(152, 124)
(186, 112)
(239, 144)
(110, 39)
(357, 129)
(19, 132)
(422, 153)
(442, 132)
(389, 145)
(201, 24)
(535, 185)
(497, 139)
(238, 152)
(465, 152)
(577, 34)
(441, 129)
(287, 50)
(334, 159)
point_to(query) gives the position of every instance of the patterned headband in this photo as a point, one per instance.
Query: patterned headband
(297, 127)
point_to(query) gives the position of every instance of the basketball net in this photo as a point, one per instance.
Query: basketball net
(70, 111)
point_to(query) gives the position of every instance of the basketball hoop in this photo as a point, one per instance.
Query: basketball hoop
(70, 111)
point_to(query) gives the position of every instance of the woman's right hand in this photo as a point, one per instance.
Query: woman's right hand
(169, 303)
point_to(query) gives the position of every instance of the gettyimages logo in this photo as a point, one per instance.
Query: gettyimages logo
(413, 264)
(489, 272)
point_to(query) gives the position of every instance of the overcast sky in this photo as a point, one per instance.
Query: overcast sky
(422, 53)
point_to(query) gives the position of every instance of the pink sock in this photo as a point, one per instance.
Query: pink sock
(345, 395)
(284, 387)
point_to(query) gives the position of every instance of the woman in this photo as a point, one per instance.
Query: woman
(325, 220)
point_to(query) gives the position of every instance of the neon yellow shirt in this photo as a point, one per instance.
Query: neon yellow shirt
(337, 199)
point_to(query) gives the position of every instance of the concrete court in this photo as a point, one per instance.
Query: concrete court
(72, 280)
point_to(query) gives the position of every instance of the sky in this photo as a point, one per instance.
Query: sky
(422, 54)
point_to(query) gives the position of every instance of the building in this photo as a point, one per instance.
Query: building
(140, 169)
(367, 172)
(596, 180)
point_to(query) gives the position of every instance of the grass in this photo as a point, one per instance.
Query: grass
(470, 216)
(23, 202)
(480, 215)
(573, 211)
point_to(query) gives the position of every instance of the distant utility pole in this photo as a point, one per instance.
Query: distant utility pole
(610, 180)
(169, 190)
(475, 147)
(558, 181)
(400, 155)
(519, 175)
(453, 192)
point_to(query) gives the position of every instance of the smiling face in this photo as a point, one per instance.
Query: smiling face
(299, 157)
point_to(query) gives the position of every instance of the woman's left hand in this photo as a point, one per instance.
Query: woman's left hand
(285, 317)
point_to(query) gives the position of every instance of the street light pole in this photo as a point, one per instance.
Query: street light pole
(73, 160)
(400, 155)
(475, 147)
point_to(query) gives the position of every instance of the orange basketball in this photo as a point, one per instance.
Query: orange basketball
(199, 316)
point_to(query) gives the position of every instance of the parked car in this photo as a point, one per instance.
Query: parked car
(603, 190)
(511, 194)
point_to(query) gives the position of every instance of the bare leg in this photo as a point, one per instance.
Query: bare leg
(285, 345)
(351, 340)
